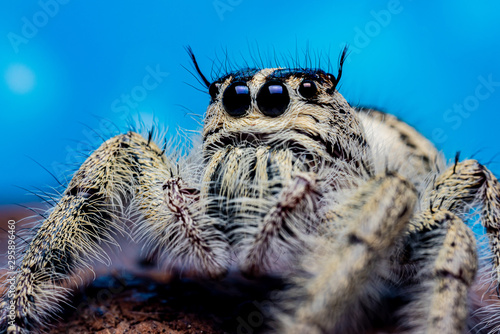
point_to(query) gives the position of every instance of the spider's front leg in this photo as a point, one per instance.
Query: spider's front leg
(126, 173)
(345, 273)
(441, 252)
(444, 251)
(464, 185)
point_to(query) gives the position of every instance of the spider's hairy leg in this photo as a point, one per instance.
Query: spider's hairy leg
(79, 225)
(467, 184)
(344, 276)
(442, 254)
(83, 221)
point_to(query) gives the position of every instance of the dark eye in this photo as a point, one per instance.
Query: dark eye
(236, 99)
(273, 99)
(308, 89)
(213, 90)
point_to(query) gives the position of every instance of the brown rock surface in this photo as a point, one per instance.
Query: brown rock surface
(124, 303)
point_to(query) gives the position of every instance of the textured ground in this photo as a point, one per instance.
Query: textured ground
(124, 303)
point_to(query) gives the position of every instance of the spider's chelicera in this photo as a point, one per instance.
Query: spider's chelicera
(351, 206)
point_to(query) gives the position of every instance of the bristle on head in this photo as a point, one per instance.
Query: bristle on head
(195, 63)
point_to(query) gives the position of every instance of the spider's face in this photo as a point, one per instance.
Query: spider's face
(264, 126)
(293, 110)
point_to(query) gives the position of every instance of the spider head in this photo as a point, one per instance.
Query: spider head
(263, 124)
(283, 109)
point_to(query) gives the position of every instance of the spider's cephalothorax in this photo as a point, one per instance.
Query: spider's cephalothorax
(351, 206)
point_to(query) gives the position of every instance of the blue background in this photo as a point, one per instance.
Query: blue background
(64, 68)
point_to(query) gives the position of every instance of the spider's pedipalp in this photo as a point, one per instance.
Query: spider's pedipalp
(283, 228)
(177, 228)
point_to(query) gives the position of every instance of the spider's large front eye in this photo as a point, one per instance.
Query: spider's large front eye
(308, 89)
(213, 90)
(236, 99)
(273, 99)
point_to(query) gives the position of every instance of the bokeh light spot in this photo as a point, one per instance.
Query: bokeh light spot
(20, 78)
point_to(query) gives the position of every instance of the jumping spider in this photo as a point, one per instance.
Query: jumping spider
(353, 207)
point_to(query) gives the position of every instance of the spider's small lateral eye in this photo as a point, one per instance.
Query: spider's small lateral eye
(331, 77)
(236, 99)
(273, 99)
(308, 89)
(213, 90)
